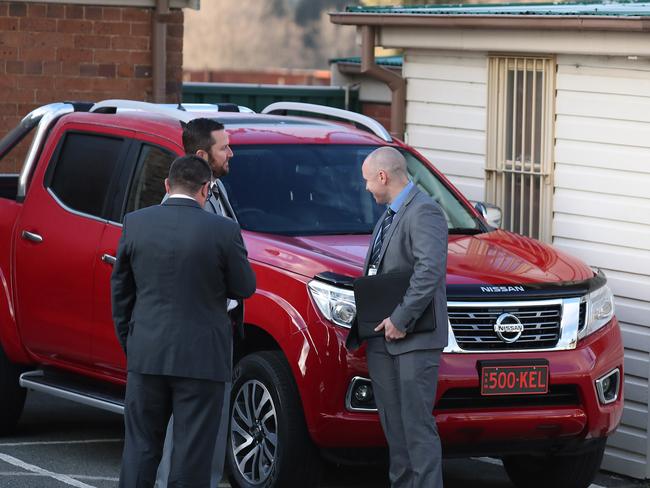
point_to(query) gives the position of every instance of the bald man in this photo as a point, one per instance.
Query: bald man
(411, 236)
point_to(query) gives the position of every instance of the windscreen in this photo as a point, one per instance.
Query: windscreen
(318, 190)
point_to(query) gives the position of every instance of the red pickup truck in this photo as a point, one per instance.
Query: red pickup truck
(534, 367)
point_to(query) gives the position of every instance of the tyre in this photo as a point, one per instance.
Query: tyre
(268, 442)
(12, 395)
(557, 471)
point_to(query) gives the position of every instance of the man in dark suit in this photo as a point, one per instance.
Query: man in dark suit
(208, 139)
(176, 267)
(403, 364)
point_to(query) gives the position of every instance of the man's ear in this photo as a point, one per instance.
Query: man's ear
(202, 154)
(167, 187)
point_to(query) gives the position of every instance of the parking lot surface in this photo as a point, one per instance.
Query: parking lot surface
(62, 444)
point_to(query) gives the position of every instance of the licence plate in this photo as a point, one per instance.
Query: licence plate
(514, 379)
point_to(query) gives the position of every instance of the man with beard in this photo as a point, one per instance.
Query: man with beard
(208, 139)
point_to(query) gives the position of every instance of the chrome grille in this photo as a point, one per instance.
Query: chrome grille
(473, 327)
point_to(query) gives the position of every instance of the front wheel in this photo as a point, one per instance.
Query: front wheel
(268, 444)
(556, 471)
(12, 395)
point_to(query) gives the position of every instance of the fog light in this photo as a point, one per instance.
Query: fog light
(607, 386)
(360, 397)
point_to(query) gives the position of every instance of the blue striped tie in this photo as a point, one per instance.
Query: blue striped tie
(385, 225)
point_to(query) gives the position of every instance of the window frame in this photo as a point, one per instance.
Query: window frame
(497, 167)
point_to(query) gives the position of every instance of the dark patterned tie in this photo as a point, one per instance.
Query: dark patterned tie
(385, 225)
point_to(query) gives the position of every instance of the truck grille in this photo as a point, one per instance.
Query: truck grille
(474, 327)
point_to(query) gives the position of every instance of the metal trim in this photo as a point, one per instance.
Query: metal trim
(599, 386)
(26, 382)
(348, 396)
(187, 114)
(74, 212)
(568, 325)
(370, 124)
(48, 115)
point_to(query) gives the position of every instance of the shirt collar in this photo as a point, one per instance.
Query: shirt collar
(181, 195)
(397, 203)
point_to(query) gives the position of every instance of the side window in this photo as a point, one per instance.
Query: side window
(84, 170)
(148, 186)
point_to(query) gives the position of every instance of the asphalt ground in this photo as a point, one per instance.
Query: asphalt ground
(62, 444)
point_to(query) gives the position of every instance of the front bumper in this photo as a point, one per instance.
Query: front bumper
(468, 425)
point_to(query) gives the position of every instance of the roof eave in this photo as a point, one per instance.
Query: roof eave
(515, 22)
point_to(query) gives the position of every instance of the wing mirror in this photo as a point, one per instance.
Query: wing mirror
(491, 213)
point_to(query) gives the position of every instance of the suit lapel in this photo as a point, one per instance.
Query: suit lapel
(225, 201)
(393, 225)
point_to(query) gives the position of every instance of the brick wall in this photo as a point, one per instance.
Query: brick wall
(270, 76)
(53, 52)
(378, 111)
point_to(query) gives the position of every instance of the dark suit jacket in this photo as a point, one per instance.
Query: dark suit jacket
(416, 242)
(176, 265)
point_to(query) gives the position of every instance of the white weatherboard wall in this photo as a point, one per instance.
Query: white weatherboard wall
(602, 213)
(446, 100)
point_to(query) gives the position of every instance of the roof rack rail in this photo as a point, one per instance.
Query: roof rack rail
(371, 124)
(181, 112)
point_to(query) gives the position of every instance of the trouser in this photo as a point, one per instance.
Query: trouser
(404, 387)
(218, 459)
(150, 400)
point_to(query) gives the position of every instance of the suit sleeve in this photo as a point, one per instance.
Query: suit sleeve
(240, 279)
(123, 289)
(428, 236)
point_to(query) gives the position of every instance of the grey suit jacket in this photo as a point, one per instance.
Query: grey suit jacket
(212, 205)
(175, 267)
(417, 242)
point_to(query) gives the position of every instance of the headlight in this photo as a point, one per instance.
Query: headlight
(336, 304)
(600, 310)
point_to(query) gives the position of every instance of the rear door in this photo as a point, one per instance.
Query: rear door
(57, 236)
(141, 185)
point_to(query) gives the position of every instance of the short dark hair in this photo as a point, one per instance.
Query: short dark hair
(189, 173)
(197, 134)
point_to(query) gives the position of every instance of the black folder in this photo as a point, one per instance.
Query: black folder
(376, 298)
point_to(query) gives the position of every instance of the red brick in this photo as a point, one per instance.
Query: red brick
(140, 29)
(134, 14)
(51, 67)
(13, 39)
(36, 10)
(71, 83)
(33, 68)
(69, 68)
(93, 13)
(109, 84)
(15, 67)
(48, 39)
(17, 9)
(88, 69)
(8, 109)
(25, 108)
(107, 70)
(175, 59)
(38, 24)
(112, 13)
(36, 82)
(8, 24)
(20, 95)
(142, 71)
(175, 44)
(8, 53)
(130, 43)
(74, 26)
(55, 11)
(75, 55)
(125, 70)
(144, 84)
(4, 9)
(140, 57)
(176, 17)
(175, 30)
(74, 12)
(91, 41)
(108, 56)
(112, 29)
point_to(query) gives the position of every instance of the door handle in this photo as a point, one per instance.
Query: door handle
(30, 236)
(108, 259)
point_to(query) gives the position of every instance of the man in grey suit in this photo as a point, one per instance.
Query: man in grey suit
(176, 267)
(403, 364)
(208, 139)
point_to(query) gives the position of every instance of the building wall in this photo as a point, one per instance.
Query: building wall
(56, 51)
(601, 201)
(446, 100)
(602, 213)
